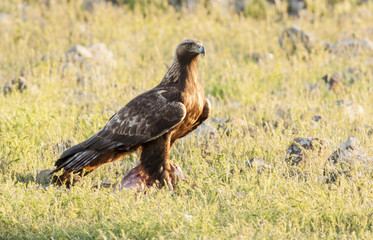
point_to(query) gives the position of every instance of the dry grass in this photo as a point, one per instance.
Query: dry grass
(215, 204)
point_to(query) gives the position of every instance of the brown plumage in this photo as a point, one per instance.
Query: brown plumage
(152, 122)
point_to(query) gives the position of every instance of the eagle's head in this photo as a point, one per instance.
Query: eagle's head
(189, 49)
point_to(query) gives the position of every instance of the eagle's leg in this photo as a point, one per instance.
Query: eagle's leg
(155, 162)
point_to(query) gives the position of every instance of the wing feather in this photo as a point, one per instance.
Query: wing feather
(143, 119)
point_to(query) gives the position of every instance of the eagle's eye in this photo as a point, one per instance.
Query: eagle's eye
(188, 45)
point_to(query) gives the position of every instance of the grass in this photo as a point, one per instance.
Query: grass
(215, 203)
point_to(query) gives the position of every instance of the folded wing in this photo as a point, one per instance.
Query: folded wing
(143, 119)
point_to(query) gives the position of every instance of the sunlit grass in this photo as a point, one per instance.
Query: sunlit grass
(214, 203)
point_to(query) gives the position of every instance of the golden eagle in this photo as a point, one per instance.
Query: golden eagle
(152, 122)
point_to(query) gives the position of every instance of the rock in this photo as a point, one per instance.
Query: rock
(283, 112)
(352, 75)
(310, 88)
(83, 62)
(44, 177)
(352, 47)
(97, 52)
(259, 164)
(316, 118)
(16, 84)
(259, 58)
(369, 61)
(293, 39)
(227, 126)
(5, 19)
(90, 5)
(255, 163)
(205, 131)
(349, 159)
(240, 194)
(295, 6)
(188, 4)
(352, 110)
(339, 80)
(302, 150)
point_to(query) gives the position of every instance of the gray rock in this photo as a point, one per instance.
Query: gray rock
(316, 118)
(90, 5)
(234, 104)
(240, 194)
(259, 58)
(97, 52)
(294, 38)
(310, 88)
(5, 19)
(295, 6)
(349, 159)
(189, 4)
(83, 62)
(352, 47)
(259, 164)
(205, 131)
(339, 80)
(352, 110)
(44, 177)
(16, 84)
(369, 61)
(227, 126)
(300, 150)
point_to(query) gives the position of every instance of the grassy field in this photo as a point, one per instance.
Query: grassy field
(270, 98)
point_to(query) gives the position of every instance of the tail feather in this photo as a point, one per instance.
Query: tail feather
(69, 153)
(75, 163)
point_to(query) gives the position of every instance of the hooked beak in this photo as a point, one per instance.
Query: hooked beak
(201, 50)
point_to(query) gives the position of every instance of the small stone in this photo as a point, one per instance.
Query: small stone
(105, 184)
(44, 177)
(227, 126)
(352, 110)
(90, 5)
(206, 131)
(188, 216)
(5, 19)
(352, 47)
(260, 58)
(311, 88)
(293, 38)
(350, 158)
(16, 84)
(299, 151)
(295, 6)
(234, 104)
(316, 118)
(240, 194)
(97, 52)
(352, 75)
(259, 164)
(86, 62)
